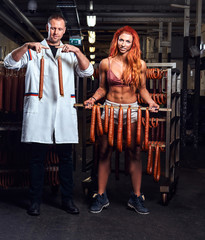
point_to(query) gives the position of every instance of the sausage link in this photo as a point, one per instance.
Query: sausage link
(14, 90)
(163, 97)
(154, 124)
(146, 129)
(106, 121)
(152, 134)
(151, 162)
(92, 124)
(21, 90)
(158, 167)
(156, 161)
(120, 129)
(129, 130)
(111, 127)
(158, 98)
(7, 91)
(149, 158)
(99, 121)
(158, 132)
(162, 129)
(139, 126)
(60, 74)
(41, 78)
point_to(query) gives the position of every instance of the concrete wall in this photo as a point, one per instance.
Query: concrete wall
(6, 46)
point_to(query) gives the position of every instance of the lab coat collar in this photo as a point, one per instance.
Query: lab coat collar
(49, 53)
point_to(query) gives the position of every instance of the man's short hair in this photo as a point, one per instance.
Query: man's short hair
(57, 16)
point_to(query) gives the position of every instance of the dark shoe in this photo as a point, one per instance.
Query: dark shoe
(99, 202)
(34, 209)
(137, 203)
(70, 207)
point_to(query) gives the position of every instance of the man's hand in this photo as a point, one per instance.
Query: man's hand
(68, 48)
(36, 46)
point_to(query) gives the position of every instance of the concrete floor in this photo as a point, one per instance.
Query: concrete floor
(183, 217)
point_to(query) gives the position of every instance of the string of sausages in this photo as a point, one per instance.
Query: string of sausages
(97, 127)
(156, 84)
(158, 147)
(146, 145)
(12, 87)
(14, 169)
(19, 176)
(60, 75)
(154, 73)
(159, 98)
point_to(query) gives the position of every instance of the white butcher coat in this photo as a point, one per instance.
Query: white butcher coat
(52, 118)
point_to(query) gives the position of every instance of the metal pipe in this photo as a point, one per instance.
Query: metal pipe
(19, 14)
(160, 42)
(197, 74)
(169, 38)
(185, 68)
(13, 24)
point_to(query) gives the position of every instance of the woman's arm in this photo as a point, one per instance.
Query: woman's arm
(143, 90)
(101, 91)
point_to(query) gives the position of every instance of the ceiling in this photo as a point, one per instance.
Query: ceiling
(21, 25)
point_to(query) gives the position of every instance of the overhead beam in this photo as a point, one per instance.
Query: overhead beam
(15, 26)
(20, 15)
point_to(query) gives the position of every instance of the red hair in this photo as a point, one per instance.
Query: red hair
(133, 56)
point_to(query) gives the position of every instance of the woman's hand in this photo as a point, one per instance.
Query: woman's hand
(153, 107)
(89, 103)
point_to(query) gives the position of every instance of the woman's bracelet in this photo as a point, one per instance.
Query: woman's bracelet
(94, 99)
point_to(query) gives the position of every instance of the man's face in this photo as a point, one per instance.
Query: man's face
(56, 29)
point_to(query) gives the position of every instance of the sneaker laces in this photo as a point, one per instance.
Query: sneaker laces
(139, 200)
(96, 197)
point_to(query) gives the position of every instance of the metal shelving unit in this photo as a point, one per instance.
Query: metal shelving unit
(170, 175)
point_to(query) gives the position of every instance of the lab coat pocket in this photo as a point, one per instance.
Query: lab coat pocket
(31, 104)
(73, 109)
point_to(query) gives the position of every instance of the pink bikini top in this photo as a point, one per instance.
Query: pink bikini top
(112, 79)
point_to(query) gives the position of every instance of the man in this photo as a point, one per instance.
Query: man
(49, 117)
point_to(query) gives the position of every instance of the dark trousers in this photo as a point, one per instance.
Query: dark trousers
(36, 166)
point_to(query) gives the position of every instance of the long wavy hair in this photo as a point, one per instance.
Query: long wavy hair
(133, 56)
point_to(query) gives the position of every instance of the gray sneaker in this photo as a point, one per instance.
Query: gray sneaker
(99, 202)
(137, 203)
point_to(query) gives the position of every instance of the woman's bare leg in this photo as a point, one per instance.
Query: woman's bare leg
(135, 165)
(104, 164)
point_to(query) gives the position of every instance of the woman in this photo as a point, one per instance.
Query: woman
(121, 74)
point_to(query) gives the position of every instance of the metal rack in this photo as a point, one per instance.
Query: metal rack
(172, 139)
(14, 155)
